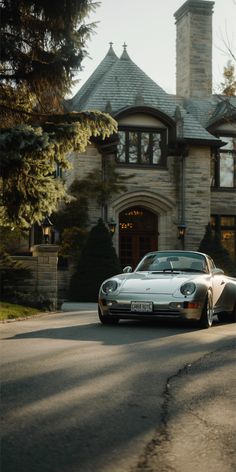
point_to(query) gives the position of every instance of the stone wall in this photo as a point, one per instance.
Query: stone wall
(42, 285)
(223, 202)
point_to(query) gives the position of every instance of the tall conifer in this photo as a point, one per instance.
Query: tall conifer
(42, 45)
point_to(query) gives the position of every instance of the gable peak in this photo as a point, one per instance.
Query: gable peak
(111, 51)
(125, 55)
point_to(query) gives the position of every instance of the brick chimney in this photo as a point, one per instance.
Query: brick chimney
(194, 49)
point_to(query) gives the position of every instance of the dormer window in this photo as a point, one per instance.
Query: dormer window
(141, 146)
(224, 168)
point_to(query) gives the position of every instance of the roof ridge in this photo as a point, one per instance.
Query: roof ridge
(94, 80)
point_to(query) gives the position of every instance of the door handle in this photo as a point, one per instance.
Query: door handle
(222, 282)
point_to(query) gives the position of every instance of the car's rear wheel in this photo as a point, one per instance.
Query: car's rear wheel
(107, 319)
(206, 319)
(228, 317)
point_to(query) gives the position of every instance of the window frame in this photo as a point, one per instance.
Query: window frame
(217, 162)
(139, 130)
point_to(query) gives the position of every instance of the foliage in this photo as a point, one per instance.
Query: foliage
(101, 184)
(75, 212)
(10, 272)
(212, 246)
(71, 221)
(42, 45)
(9, 311)
(29, 188)
(229, 84)
(12, 240)
(98, 261)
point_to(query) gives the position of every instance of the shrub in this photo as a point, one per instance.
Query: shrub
(98, 261)
(11, 272)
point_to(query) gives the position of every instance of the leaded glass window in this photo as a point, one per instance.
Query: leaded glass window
(141, 147)
(224, 164)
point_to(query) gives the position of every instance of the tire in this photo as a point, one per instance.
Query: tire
(207, 314)
(107, 319)
(228, 317)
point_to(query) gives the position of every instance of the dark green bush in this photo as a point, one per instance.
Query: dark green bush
(11, 271)
(98, 261)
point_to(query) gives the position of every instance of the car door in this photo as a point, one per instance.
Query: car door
(218, 285)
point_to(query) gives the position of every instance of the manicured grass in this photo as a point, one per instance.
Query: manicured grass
(8, 311)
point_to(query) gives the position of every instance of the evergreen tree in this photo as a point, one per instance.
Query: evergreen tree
(98, 261)
(42, 45)
(212, 246)
(71, 221)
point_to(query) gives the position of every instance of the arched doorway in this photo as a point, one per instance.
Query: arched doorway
(138, 233)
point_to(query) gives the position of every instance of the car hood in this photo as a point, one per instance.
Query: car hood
(154, 283)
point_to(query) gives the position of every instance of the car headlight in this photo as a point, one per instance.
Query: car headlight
(109, 286)
(188, 288)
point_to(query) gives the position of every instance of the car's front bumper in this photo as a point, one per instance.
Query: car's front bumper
(121, 308)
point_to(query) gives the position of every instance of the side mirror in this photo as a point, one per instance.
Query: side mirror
(217, 271)
(127, 269)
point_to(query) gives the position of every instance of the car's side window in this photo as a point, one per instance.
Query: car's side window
(211, 264)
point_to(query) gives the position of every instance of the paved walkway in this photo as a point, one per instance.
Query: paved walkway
(70, 306)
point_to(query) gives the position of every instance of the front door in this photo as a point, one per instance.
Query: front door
(138, 230)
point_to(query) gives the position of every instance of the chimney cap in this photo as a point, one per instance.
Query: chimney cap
(200, 7)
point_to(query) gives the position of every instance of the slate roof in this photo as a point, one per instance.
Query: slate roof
(210, 110)
(79, 101)
(118, 83)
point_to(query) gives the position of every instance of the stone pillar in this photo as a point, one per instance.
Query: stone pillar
(194, 49)
(47, 257)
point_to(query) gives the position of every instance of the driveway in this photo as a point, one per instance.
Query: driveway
(79, 396)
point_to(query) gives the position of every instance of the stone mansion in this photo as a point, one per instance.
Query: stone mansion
(180, 149)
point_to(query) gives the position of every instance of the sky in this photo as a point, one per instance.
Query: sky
(148, 28)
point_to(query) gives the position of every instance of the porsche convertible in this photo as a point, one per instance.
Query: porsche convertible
(173, 284)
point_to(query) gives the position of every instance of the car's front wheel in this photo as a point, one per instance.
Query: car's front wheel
(107, 319)
(206, 319)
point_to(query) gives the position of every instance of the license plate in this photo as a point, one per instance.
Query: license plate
(142, 307)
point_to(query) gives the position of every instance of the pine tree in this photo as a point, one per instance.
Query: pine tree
(98, 261)
(42, 45)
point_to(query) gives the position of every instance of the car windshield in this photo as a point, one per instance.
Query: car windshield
(172, 261)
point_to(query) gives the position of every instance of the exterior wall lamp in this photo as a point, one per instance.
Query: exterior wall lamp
(181, 233)
(47, 230)
(112, 226)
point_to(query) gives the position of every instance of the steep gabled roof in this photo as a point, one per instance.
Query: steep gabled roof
(119, 83)
(79, 101)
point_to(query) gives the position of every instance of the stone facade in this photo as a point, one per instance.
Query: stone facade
(185, 188)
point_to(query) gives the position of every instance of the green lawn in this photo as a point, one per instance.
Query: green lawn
(8, 311)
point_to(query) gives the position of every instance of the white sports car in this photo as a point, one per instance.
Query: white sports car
(182, 284)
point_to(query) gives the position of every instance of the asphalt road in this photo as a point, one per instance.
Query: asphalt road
(77, 396)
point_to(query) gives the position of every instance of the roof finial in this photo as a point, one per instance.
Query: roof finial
(111, 44)
(124, 46)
